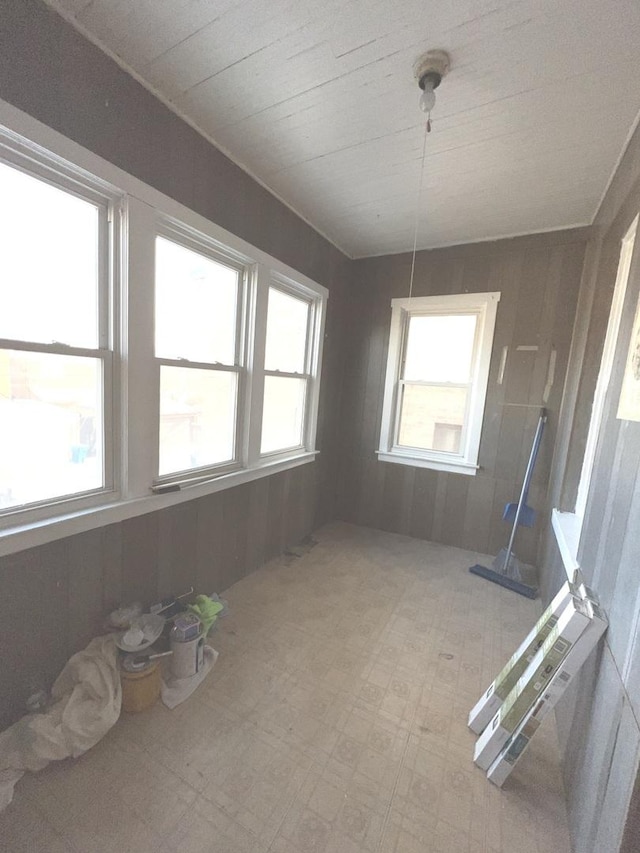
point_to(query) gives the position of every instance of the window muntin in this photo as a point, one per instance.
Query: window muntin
(55, 338)
(198, 351)
(287, 375)
(437, 373)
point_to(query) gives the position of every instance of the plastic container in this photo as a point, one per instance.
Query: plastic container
(140, 690)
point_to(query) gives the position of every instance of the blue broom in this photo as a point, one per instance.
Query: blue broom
(506, 569)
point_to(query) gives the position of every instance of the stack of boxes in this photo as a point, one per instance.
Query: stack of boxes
(509, 713)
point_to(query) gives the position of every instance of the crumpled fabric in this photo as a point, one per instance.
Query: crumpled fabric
(86, 701)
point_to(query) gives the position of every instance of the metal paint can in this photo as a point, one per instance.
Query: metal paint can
(188, 655)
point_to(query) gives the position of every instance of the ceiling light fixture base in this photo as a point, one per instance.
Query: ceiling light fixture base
(431, 67)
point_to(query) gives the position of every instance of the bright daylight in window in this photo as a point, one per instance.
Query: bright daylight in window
(286, 374)
(53, 336)
(196, 344)
(146, 355)
(437, 371)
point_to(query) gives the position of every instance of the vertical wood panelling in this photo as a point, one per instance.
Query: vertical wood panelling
(52, 599)
(598, 722)
(112, 566)
(140, 558)
(86, 573)
(535, 275)
(210, 534)
(34, 623)
(177, 549)
(55, 598)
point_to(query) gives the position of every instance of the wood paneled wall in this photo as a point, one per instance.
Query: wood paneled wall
(538, 278)
(599, 720)
(53, 599)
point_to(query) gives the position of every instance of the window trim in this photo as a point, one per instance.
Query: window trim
(567, 526)
(139, 209)
(315, 334)
(485, 306)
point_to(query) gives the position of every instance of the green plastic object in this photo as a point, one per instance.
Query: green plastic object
(206, 610)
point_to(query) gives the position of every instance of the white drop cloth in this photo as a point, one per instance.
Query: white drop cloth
(86, 700)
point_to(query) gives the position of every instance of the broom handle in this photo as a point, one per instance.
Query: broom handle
(526, 482)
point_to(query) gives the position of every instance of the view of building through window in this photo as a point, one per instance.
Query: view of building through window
(435, 381)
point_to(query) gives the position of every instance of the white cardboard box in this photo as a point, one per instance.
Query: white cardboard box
(519, 740)
(570, 625)
(489, 703)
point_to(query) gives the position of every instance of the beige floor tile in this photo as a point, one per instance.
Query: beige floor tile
(334, 722)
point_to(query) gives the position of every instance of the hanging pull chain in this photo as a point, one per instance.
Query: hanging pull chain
(427, 129)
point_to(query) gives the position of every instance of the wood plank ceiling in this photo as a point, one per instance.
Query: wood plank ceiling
(317, 101)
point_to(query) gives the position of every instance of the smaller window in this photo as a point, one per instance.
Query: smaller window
(436, 382)
(287, 372)
(198, 353)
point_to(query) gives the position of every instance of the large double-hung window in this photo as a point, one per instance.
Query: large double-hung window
(198, 335)
(288, 369)
(56, 335)
(147, 356)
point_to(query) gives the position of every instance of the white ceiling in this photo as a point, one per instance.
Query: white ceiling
(317, 100)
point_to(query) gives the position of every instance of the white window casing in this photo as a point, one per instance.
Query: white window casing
(567, 526)
(484, 307)
(108, 201)
(135, 214)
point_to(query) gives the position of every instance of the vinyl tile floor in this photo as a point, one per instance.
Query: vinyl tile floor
(333, 722)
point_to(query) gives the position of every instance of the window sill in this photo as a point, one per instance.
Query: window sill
(567, 527)
(422, 462)
(30, 535)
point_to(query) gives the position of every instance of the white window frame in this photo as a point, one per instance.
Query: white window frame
(315, 332)
(43, 165)
(138, 212)
(189, 239)
(485, 307)
(567, 526)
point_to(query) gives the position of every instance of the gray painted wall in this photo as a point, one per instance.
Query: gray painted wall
(539, 278)
(599, 722)
(64, 589)
(50, 72)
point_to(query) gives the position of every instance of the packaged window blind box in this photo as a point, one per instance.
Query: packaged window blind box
(492, 699)
(519, 741)
(571, 623)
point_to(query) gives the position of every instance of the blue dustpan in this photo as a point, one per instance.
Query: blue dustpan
(527, 514)
(521, 511)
